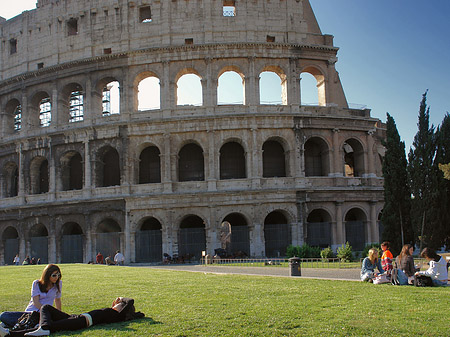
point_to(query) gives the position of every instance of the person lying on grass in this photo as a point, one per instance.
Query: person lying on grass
(53, 320)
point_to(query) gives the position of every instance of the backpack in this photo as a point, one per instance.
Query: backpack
(423, 281)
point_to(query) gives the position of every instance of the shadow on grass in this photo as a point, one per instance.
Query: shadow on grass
(122, 326)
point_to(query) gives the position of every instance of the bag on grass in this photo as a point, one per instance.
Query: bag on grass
(27, 321)
(423, 281)
(383, 278)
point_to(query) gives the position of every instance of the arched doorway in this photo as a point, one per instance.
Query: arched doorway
(39, 242)
(108, 238)
(191, 238)
(72, 243)
(240, 241)
(355, 231)
(10, 239)
(149, 241)
(319, 229)
(277, 235)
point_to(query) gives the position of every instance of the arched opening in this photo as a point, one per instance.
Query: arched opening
(355, 228)
(149, 93)
(189, 90)
(150, 166)
(72, 243)
(10, 239)
(353, 158)
(109, 167)
(232, 161)
(111, 99)
(191, 163)
(45, 112)
(39, 175)
(11, 180)
(312, 84)
(230, 89)
(277, 235)
(39, 242)
(240, 239)
(272, 88)
(76, 102)
(191, 238)
(319, 229)
(14, 109)
(72, 171)
(108, 238)
(149, 241)
(316, 158)
(274, 161)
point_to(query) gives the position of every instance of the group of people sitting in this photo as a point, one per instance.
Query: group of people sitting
(404, 272)
(47, 319)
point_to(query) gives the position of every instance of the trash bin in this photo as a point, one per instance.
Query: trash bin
(295, 268)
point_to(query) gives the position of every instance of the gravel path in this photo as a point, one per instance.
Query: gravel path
(316, 273)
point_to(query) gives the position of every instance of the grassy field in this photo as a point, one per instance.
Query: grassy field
(200, 304)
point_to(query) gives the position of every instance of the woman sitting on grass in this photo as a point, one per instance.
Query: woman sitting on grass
(46, 290)
(53, 320)
(369, 264)
(438, 267)
(405, 264)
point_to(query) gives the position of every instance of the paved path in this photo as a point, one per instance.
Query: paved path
(316, 273)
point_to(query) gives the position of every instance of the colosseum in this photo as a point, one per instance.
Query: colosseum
(88, 166)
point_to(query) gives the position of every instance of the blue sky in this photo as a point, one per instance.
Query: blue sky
(391, 52)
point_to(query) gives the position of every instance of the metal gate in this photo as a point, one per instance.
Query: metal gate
(39, 248)
(240, 242)
(319, 234)
(11, 249)
(191, 242)
(277, 239)
(355, 234)
(72, 249)
(108, 243)
(149, 246)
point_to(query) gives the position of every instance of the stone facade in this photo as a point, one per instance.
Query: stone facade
(76, 178)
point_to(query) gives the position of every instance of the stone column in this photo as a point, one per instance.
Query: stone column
(293, 84)
(127, 235)
(59, 113)
(21, 191)
(257, 246)
(340, 229)
(373, 222)
(166, 88)
(212, 163)
(166, 160)
(87, 169)
(90, 95)
(370, 172)
(337, 165)
(88, 247)
(52, 172)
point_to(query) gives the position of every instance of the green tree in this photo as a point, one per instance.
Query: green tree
(442, 192)
(397, 227)
(420, 169)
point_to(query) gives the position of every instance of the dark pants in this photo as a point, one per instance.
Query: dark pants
(55, 320)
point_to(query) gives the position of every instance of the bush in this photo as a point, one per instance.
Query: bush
(344, 253)
(305, 251)
(327, 253)
(365, 252)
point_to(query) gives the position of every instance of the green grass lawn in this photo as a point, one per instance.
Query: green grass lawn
(201, 304)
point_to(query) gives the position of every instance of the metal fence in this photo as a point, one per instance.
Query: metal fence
(282, 262)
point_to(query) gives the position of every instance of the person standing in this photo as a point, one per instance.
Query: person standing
(16, 260)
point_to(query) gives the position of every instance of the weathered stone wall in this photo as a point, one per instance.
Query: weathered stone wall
(158, 48)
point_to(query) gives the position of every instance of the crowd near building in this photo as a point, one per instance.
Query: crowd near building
(88, 165)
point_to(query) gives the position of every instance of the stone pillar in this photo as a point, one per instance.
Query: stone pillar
(293, 88)
(21, 191)
(212, 163)
(52, 172)
(127, 234)
(166, 89)
(209, 86)
(257, 246)
(88, 247)
(59, 113)
(370, 172)
(373, 222)
(166, 172)
(88, 105)
(252, 85)
(254, 159)
(337, 166)
(52, 256)
(87, 169)
(340, 229)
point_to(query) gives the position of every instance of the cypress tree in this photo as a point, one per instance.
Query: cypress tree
(442, 192)
(396, 219)
(420, 169)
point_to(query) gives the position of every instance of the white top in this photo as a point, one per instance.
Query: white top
(44, 298)
(437, 270)
(119, 257)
